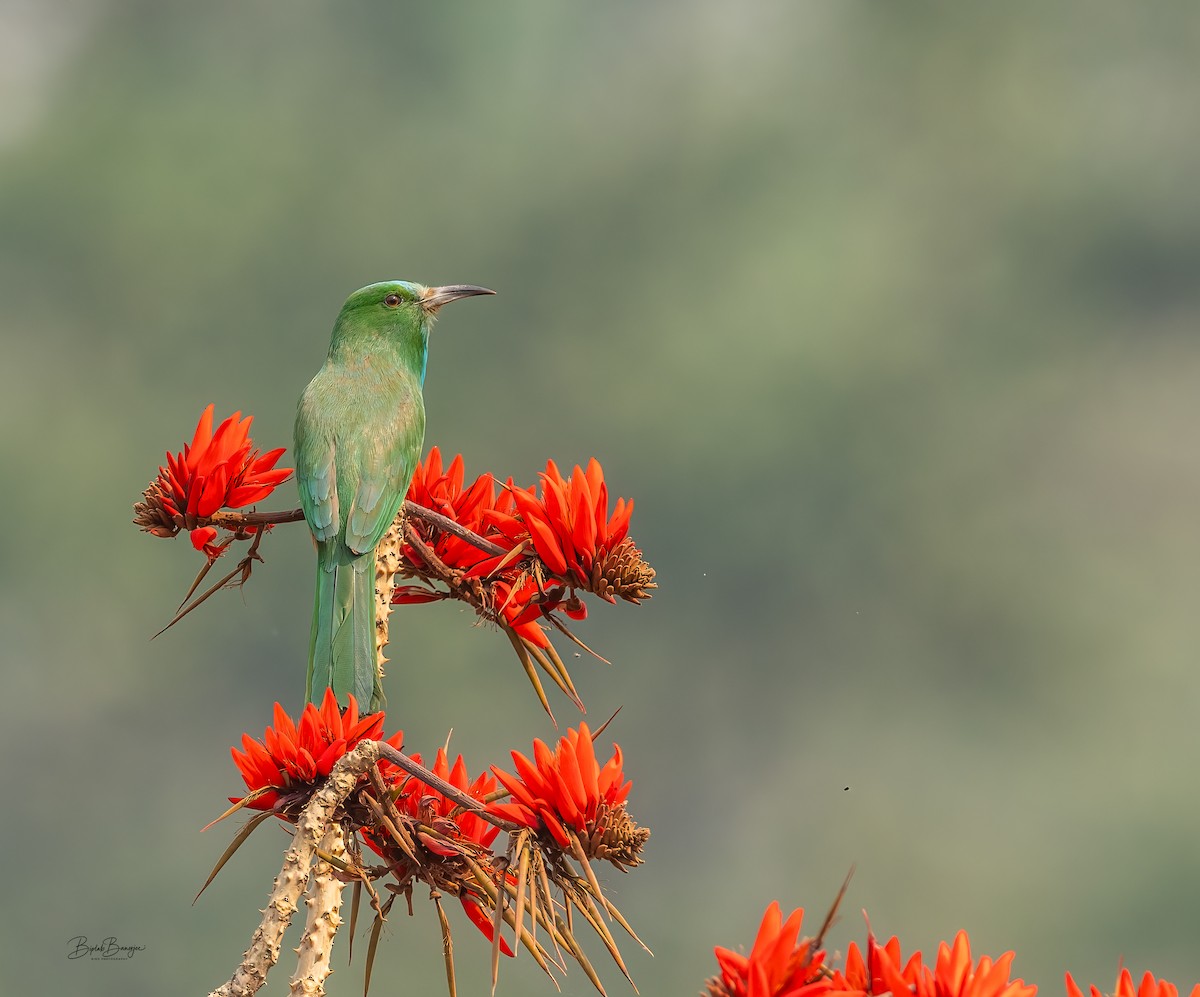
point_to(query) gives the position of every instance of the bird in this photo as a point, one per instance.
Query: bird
(360, 427)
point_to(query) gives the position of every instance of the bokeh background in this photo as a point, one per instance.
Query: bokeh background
(886, 315)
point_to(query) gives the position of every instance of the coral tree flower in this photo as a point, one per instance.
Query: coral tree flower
(292, 757)
(445, 830)
(218, 470)
(569, 525)
(498, 585)
(567, 794)
(568, 530)
(443, 492)
(955, 974)
(452, 825)
(1149, 987)
(780, 963)
(576, 538)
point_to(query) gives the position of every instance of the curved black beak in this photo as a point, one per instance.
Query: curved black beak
(435, 297)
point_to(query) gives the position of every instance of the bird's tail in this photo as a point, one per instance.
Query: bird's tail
(342, 649)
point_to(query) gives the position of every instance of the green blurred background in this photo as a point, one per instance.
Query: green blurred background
(886, 314)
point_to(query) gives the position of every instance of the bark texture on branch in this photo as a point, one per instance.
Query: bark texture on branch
(311, 829)
(324, 918)
(387, 563)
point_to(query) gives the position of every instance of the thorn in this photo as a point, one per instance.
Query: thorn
(600, 730)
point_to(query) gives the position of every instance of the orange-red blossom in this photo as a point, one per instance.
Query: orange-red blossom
(568, 529)
(443, 492)
(954, 974)
(217, 470)
(443, 827)
(448, 819)
(570, 525)
(780, 963)
(563, 789)
(291, 755)
(1149, 987)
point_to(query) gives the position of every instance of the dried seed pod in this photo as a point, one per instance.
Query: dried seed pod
(151, 515)
(622, 572)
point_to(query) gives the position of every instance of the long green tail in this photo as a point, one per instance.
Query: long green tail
(341, 652)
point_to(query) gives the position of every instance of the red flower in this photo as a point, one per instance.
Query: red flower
(538, 552)
(570, 526)
(1149, 987)
(522, 605)
(568, 529)
(954, 975)
(217, 470)
(780, 963)
(202, 539)
(879, 971)
(442, 827)
(514, 594)
(442, 491)
(565, 789)
(290, 756)
(428, 806)
(479, 917)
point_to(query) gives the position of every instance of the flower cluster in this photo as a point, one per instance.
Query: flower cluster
(284, 768)
(954, 974)
(518, 557)
(1149, 987)
(541, 551)
(291, 758)
(445, 841)
(543, 548)
(460, 564)
(439, 826)
(567, 795)
(571, 530)
(445, 828)
(781, 964)
(217, 470)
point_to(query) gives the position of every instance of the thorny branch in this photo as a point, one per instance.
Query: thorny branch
(402, 761)
(311, 828)
(324, 916)
(314, 824)
(230, 520)
(241, 523)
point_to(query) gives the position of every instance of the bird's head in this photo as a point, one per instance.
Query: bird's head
(402, 311)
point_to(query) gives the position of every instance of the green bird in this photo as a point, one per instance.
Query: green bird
(360, 426)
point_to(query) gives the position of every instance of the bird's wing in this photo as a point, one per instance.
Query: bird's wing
(386, 464)
(316, 479)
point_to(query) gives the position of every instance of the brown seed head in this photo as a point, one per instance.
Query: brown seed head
(151, 515)
(615, 838)
(622, 572)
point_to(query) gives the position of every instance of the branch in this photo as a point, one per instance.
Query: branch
(448, 525)
(324, 918)
(227, 519)
(432, 561)
(233, 521)
(400, 759)
(316, 821)
(311, 828)
(387, 563)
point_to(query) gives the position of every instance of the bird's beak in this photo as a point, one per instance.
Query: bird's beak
(435, 297)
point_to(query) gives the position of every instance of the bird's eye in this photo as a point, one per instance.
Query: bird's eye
(392, 300)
